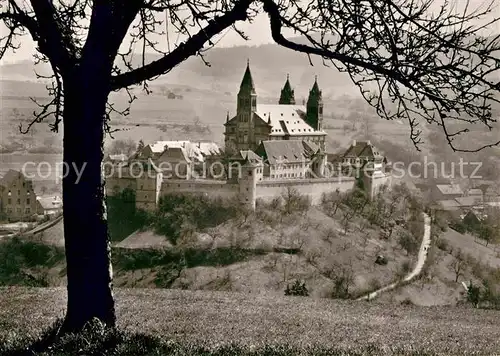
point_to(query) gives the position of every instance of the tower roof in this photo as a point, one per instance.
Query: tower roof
(247, 81)
(315, 88)
(287, 86)
(287, 94)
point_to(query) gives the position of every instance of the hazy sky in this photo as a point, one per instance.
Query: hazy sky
(258, 31)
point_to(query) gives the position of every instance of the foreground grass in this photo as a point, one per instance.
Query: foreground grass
(95, 340)
(217, 323)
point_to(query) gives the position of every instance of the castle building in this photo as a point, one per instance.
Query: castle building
(292, 159)
(17, 197)
(254, 123)
(269, 148)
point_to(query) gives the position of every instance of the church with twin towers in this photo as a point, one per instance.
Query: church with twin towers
(255, 123)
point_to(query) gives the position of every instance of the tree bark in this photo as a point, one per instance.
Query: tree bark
(85, 228)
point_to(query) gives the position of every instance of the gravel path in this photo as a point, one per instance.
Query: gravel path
(422, 257)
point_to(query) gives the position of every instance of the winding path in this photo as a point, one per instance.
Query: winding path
(422, 257)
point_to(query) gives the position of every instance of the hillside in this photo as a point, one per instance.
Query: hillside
(226, 68)
(213, 245)
(218, 319)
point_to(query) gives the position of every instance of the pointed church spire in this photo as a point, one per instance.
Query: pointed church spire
(314, 114)
(227, 116)
(247, 81)
(315, 88)
(287, 96)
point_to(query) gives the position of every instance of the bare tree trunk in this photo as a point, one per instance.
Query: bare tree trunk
(85, 228)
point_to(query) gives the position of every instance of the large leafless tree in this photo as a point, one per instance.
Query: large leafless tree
(410, 60)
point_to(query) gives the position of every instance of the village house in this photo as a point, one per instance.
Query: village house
(17, 197)
(51, 205)
(446, 191)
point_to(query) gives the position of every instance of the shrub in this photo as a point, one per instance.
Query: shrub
(442, 244)
(374, 284)
(297, 289)
(176, 212)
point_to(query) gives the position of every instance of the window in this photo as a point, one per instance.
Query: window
(18, 192)
(9, 201)
(18, 210)
(18, 201)
(146, 196)
(28, 211)
(9, 210)
(28, 201)
(250, 173)
(142, 187)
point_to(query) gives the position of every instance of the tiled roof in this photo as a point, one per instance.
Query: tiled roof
(8, 177)
(118, 158)
(178, 153)
(286, 151)
(362, 149)
(159, 146)
(449, 189)
(333, 157)
(475, 192)
(286, 120)
(250, 156)
(194, 150)
(49, 203)
(449, 204)
(469, 201)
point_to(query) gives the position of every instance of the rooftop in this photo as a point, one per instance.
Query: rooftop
(286, 119)
(449, 205)
(449, 189)
(286, 151)
(469, 201)
(362, 149)
(194, 150)
(50, 202)
(10, 176)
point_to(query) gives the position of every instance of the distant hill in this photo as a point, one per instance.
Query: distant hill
(270, 64)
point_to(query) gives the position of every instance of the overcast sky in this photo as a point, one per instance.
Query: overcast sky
(258, 32)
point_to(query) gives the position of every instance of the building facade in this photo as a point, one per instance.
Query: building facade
(254, 122)
(17, 197)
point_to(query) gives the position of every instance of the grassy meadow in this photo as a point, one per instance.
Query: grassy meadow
(220, 323)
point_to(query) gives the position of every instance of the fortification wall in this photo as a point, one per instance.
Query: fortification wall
(213, 188)
(379, 180)
(314, 188)
(116, 185)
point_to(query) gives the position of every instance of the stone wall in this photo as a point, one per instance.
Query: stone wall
(314, 188)
(212, 188)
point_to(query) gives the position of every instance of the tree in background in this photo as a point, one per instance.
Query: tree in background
(126, 147)
(425, 66)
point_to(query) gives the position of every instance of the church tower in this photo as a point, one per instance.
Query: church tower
(246, 106)
(315, 107)
(287, 94)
